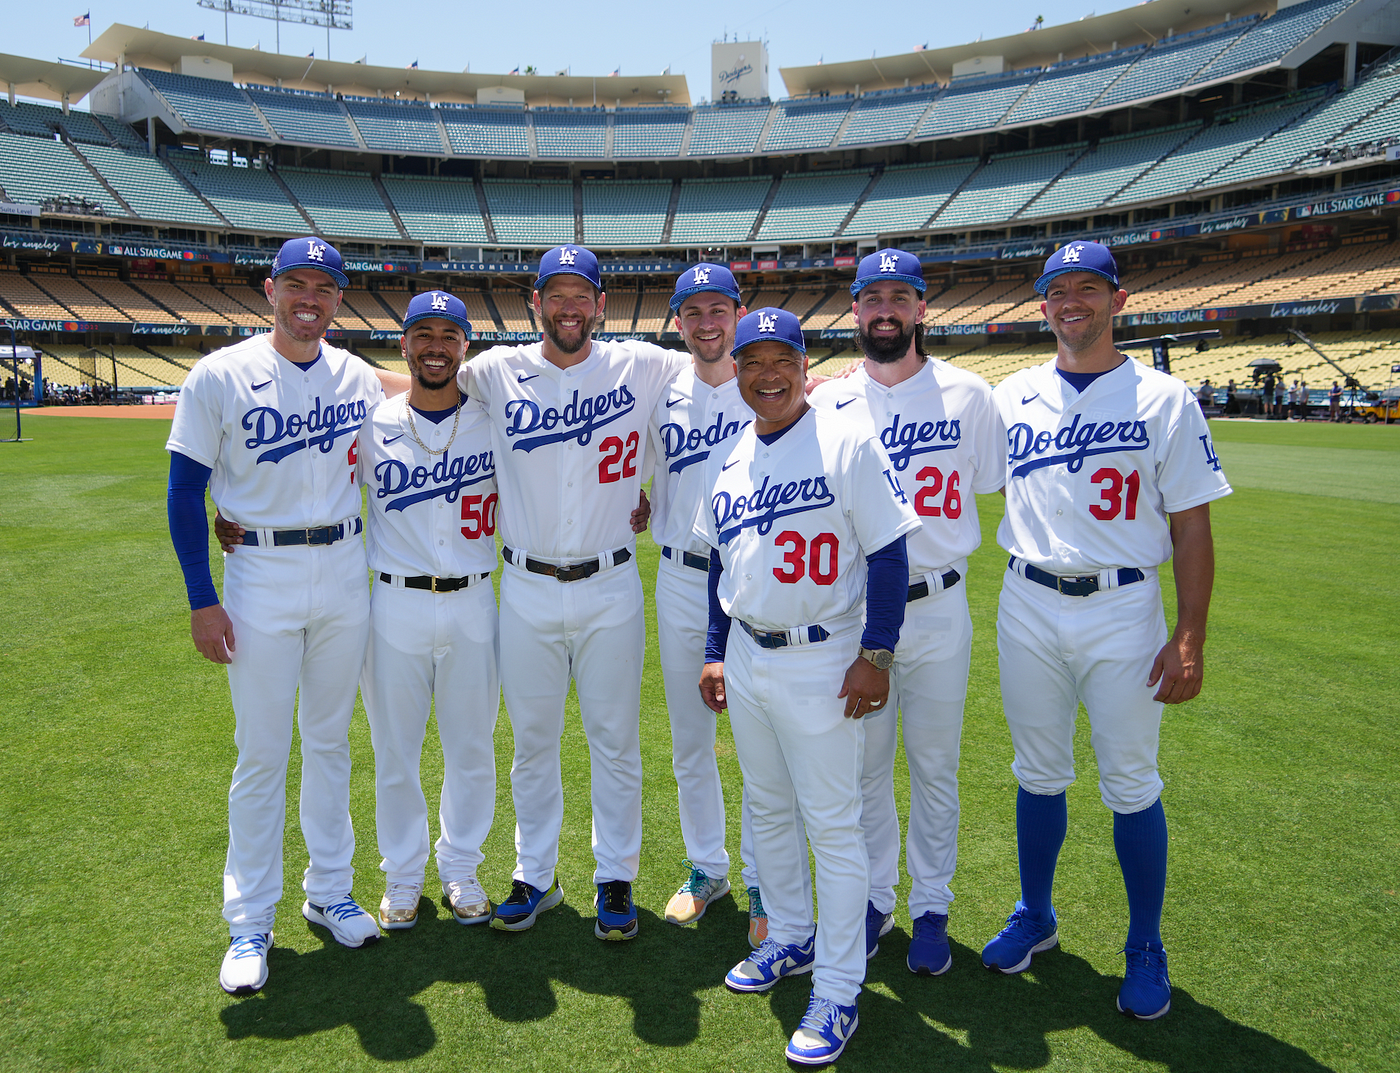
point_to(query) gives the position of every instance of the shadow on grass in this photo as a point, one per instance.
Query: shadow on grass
(991, 1021)
(372, 989)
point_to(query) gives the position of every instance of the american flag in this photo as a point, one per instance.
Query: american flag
(413, 66)
(83, 20)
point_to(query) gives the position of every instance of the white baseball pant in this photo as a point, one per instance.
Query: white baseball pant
(1055, 651)
(928, 684)
(802, 761)
(594, 631)
(682, 610)
(440, 651)
(300, 619)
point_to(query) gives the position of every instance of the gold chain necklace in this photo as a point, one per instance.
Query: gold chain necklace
(413, 431)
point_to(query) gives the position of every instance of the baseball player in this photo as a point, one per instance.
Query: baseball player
(1110, 472)
(700, 414)
(569, 425)
(269, 424)
(803, 506)
(940, 430)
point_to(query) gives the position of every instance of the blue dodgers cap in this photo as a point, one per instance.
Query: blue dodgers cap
(437, 304)
(569, 261)
(769, 323)
(900, 265)
(310, 252)
(704, 277)
(1079, 257)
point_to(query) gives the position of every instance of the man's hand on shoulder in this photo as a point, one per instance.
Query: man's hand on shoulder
(212, 631)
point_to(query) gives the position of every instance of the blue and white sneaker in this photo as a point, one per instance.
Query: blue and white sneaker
(617, 916)
(876, 925)
(1146, 992)
(244, 970)
(348, 924)
(825, 1030)
(1023, 936)
(929, 953)
(525, 903)
(770, 963)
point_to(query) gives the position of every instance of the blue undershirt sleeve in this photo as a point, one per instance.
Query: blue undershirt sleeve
(189, 527)
(886, 592)
(717, 635)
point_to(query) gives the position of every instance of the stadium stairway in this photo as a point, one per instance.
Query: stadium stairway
(763, 209)
(671, 208)
(72, 148)
(855, 207)
(389, 206)
(292, 199)
(485, 208)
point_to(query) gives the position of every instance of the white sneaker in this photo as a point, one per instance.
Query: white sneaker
(244, 970)
(349, 924)
(469, 902)
(399, 906)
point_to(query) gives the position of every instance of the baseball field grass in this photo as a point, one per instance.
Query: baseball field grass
(1281, 797)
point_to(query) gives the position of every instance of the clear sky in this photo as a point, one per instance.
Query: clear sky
(589, 39)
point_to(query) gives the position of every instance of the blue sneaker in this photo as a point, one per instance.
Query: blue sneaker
(770, 963)
(525, 903)
(876, 925)
(825, 1030)
(1146, 992)
(929, 954)
(1023, 936)
(617, 916)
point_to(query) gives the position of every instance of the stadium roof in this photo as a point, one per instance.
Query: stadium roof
(1089, 36)
(148, 48)
(48, 81)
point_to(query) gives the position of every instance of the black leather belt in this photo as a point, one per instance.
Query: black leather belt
(919, 589)
(572, 572)
(1076, 584)
(437, 584)
(326, 534)
(783, 638)
(689, 558)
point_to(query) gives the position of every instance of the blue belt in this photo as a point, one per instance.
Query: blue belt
(689, 558)
(325, 534)
(919, 589)
(1076, 584)
(799, 635)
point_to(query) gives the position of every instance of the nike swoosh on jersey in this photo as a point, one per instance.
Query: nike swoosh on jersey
(672, 402)
(259, 387)
(521, 379)
(728, 464)
(390, 439)
(1028, 401)
(846, 402)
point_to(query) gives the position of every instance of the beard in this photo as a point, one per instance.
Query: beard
(886, 351)
(1091, 334)
(570, 346)
(421, 375)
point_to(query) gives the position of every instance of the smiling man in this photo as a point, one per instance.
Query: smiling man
(1110, 473)
(269, 425)
(806, 521)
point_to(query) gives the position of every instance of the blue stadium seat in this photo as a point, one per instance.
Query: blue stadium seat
(33, 169)
(1072, 87)
(396, 126)
(886, 116)
(812, 206)
(1171, 61)
(1004, 185)
(437, 210)
(727, 129)
(625, 213)
(570, 133)
(905, 197)
(539, 211)
(975, 103)
(486, 131)
(1269, 40)
(206, 104)
(344, 204)
(1112, 165)
(806, 123)
(248, 197)
(152, 191)
(305, 118)
(718, 210)
(648, 133)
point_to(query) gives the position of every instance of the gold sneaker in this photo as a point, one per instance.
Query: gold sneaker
(469, 902)
(758, 919)
(689, 903)
(399, 906)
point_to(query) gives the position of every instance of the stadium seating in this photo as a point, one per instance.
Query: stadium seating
(812, 206)
(181, 302)
(131, 303)
(654, 313)
(1271, 39)
(625, 213)
(885, 117)
(437, 210)
(1004, 185)
(396, 126)
(975, 103)
(513, 306)
(1071, 87)
(122, 134)
(1384, 122)
(726, 130)
(42, 120)
(396, 301)
(85, 304)
(1102, 172)
(364, 305)
(342, 203)
(207, 104)
(1165, 66)
(541, 212)
(477, 312)
(488, 132)
(805, 123)
(718, 210)
(648, 133)
(227, 305)
(825, 313)
(24, 299)
(32, 169)
(247, 197)
(906, 196)
(82, 127)
(570, 133)
(151, 190)
(304, 118)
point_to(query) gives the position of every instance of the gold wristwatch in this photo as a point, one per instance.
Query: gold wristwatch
(881, 658)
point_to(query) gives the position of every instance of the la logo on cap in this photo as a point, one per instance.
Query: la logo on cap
(566, 257)
(314, 250)
(702, 275)
(888, 263)
(1072, 254)
(767, 322)
(439, 300)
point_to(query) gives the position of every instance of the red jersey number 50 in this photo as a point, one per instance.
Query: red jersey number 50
(480, 516)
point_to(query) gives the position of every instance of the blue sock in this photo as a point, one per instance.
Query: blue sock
(1041, 822)
(1141, 841)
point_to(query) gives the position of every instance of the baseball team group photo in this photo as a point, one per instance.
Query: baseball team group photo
(509, 684)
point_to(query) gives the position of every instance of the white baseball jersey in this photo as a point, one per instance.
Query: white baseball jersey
(1091, 477)
(280, 441)
(690, 422)
(792, 521)
(943, 437)
(570, 442)
(429, 515)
